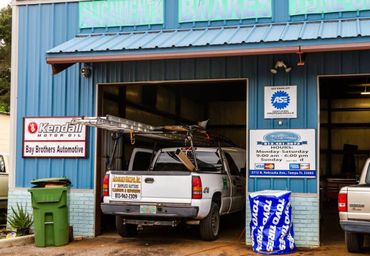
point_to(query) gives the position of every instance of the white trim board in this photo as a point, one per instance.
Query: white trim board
(13, 96)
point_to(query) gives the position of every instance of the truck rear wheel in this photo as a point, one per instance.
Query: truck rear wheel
(210, 225)
(125, 230)
(354, 241)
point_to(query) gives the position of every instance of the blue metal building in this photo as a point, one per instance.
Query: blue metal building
(53, 39)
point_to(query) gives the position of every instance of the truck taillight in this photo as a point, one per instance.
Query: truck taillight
(342, 202)
(196, 188)
(106, 185)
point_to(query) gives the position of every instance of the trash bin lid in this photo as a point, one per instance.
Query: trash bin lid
(55, 181)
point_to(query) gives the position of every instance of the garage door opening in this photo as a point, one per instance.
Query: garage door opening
(344, 143)
(222, 102)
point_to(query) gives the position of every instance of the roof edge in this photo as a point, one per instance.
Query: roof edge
(62, 62)
(58, 62)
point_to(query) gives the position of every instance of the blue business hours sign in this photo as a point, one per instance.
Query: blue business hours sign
(281, 101)
(283, 153)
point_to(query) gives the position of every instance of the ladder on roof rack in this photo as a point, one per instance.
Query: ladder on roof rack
(178, 133)
(188, 134)
(113, 123)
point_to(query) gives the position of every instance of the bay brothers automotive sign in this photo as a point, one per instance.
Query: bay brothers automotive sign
(282, 153)
(53, 137)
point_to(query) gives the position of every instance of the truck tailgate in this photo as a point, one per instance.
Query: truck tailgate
(158, 187)
(358, 202)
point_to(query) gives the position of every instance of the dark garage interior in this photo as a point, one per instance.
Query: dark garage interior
(344, 143)
(222, 102)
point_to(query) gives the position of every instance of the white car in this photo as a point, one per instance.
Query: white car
(177, 189)
(3, 181)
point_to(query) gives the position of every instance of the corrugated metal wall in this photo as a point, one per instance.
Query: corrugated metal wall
(257, 70)
(41, 27)
(41, 94)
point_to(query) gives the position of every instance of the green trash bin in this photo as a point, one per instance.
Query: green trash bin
(50, 211)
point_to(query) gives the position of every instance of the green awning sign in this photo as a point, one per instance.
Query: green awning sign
(213, 10)
(299, 7)
(115, 13)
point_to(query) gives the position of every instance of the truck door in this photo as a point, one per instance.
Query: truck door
(237, 187)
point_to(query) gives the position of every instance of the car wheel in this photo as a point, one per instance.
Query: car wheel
(354, 241)
(210, 225)
(125, 230)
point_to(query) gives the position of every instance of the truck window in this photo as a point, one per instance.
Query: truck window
(368, 175)
(142, 161)
(2, 165)
(207, 161)
(233, 168)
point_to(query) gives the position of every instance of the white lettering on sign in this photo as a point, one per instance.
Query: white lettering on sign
(282, 99)
(259, 238)
(266, 211)
(271, 238)
(255, 212)
(54, 137)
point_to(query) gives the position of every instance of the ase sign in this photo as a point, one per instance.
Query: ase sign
(53, 137)
(281, 101)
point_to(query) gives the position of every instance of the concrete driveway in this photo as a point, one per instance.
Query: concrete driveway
(152, 244)
(165, 241)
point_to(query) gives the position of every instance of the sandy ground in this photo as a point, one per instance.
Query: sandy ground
(182, 241)
(159, 244)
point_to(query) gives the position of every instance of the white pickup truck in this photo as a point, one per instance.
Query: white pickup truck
(3, 181)
(170, 192)
(354, 210)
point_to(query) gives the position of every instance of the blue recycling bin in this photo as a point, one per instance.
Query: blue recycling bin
(271, 227)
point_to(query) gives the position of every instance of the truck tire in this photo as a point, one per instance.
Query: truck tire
(125, 230)
(354, 241)
(210, 225)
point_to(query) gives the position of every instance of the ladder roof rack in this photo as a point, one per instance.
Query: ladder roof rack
(177, 133)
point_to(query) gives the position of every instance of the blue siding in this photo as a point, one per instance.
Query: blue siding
(41, 27)
(257, 70)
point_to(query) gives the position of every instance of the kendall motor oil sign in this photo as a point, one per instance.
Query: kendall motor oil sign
(282, 153)
(53, 137)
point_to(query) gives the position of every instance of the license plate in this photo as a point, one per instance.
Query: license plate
(148, 209)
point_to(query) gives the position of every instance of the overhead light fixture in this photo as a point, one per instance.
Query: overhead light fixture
(280, 64)
(86, 70)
